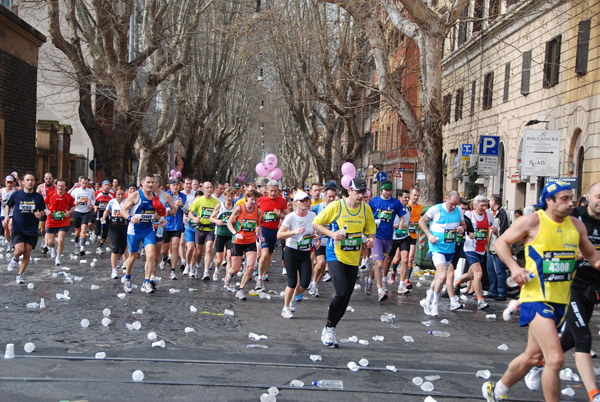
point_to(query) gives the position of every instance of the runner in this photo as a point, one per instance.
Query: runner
(84, 201)
(552, 240)
(273, 208)
(195, 186)
(200, 212)
(115, 186)
(131, 188)
(6, 193)
(59, 208)
(28, 207)
(160, 224)
(349, 219)
(117, 229)
(174, 227)
(218, 194)
(189, 235)
(446, 222)
(223, 244)
(45, 189)
(140, 209)
(315, 195)
(246, 219)
(475, 246)
(321, 251)
(401, 243)
(103, 197)
(385, 209)
(416, 210)
(298, 232)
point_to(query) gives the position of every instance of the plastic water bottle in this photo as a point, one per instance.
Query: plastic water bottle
(329, 384)
(442, 334)
(338, 243)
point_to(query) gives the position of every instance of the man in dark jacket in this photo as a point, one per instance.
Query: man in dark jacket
(496, 268)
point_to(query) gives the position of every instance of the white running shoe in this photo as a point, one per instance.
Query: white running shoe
(382, 294)
(455, 304)
(147, 288)
(57, 261)
(114, 274)
(240, 294)
(20, 279)
(172, 275)
(287, 313)
(284, 272)
(293, 304)
(216, 274)
(513, 306)
(328, 337)
(532, 378)
(128, 286)
(206, 275)
(12, 265)
(187, 269)
(227, 280)
(433, 310)
(482, 305)
(402, 289)
(52, 252)
(425, 304)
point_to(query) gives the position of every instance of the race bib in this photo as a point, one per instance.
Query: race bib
(305, 243)
(385, 216)
(449, 235)
(225, 216)
(558, 266)
(270, 216)
(146, 216)
(206, 212)
(352, 242)
(481, 234)
(58, 216)
(27, 207)
(82, 200)
(412, 227)
(248, 225)
(103, 205)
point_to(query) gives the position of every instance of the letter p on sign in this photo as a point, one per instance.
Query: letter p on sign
(489, 145)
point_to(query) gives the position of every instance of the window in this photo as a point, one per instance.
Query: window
(552, 62)
(506, 82)
(526, 73)
(462, 26)
(473, 94)
(447, 102)
(488, 90)
(477, 16)
(583, 45)
(458, 106)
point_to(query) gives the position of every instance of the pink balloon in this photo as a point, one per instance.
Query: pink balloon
(173, 171)
(346, 181)
(270, 161)
(276, 174)
(177, 174)
(348, 169)
(262, 170)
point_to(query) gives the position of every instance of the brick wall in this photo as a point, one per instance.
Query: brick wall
(18, 98)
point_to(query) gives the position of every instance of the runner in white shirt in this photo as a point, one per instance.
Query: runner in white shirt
(84, 201)
(6, 193)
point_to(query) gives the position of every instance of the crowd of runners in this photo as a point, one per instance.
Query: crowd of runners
(327, 233)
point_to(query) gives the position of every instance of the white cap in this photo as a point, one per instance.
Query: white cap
(300, 195)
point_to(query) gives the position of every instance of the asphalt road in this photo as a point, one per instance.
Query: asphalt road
(214, 363)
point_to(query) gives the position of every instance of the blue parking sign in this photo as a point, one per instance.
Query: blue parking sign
(489, 145)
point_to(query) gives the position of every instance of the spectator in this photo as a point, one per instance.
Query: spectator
(496, 268)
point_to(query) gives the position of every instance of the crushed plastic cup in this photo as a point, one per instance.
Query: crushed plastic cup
(137, 376)
(353, 338)
(353, 366)
(432, 377)
(419, 284)
(485, 374)
(229, 312)
(83, 261)
(158, 344)
(296, 383)
(85, 323)
(188, 330)
(445, 321)
(568, 391)
(408, 338)
(193, 309)
(256, 346)
(256, 337)
(174, 290)
(363, 342)
(417, 381)
(392, 368)
(264, 295)
(121, 295)
(129, 326)
(387, 318)
(268, 398)
(316, 358)
(106, 321)
(106, 312)
(152, 336)
(426, 323)
(429, 399)
(490, 316)
(93, 264)
(273, 391)
(427, 386)
(29, 347)
(94, 287)
(32, 305)
(350, 309)
(363, 362)
(378, 338)
(566, 374)
(464, 298)
(192, 290)
(30, 286)
(100, 355)
(357, 286)
(138, 311)
(10, 351)
(136, 325)
(503, 347)
(42, 303)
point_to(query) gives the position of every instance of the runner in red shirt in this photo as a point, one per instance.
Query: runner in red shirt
(103, 197)
(45, 189)
(272, 208)
(59, 207)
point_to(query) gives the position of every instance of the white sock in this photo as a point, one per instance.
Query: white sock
(436, 297)
(429, 295)
(500, 390)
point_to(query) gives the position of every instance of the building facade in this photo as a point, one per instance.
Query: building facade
(516, 65)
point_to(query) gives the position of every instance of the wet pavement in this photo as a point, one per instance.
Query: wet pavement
(215, 363)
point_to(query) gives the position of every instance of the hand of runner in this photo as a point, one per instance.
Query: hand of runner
(37, 214)
(219, 222)
(300, 230)
(370, 242)
(278, 212)
(432, 239)
(239, 236)
(460, 230)
(338, 235)
(520, 275)
(135, 220)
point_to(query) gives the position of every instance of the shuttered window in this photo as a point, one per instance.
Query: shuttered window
(552, 62)
(583, 45)
(526, 73)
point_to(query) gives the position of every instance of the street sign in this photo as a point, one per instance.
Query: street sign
(466, 150)
(381, 176)
(541, 153)
(488, 165)
(97, 163)
(397, 173)
(420, 175)
(572, 180)
(489, 145)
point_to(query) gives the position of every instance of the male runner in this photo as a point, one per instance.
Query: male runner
(315, 195)
(6, 193)
(59, 208)
(401, 243)
(200, 212)
(416, 210)
(552, 239)
(218, 194)
(103, 197)
(84, 201)
(223, 242)
(174, 227)
(28, 207)
(321, 251)
(45, 189)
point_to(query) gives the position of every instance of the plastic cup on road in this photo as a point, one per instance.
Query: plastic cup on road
(427, 386)
(10, 351)
(152, 336)
(106, 321)
(137, 376)
(100, 355)
(85, 323)
(30, 286)
(363, 362)
(106, 312)
(353, 366)
(137, 325)
(29, 347)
